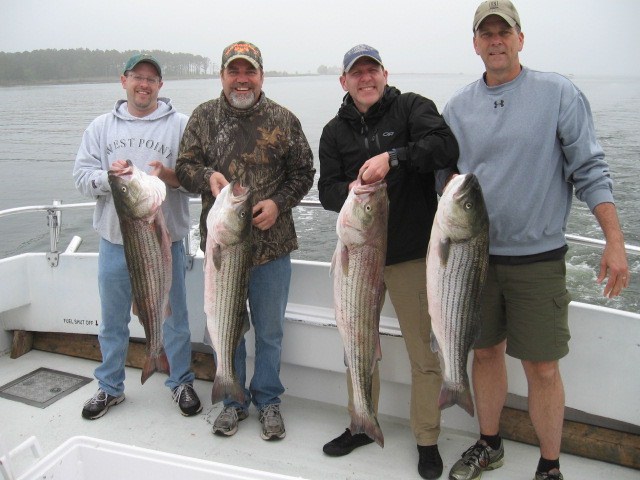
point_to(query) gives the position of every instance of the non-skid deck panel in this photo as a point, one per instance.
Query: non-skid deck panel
(42, 387)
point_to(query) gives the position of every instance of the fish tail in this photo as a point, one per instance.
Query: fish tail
(458, 396)
(155, 363)
(222, 390)
(367, 423)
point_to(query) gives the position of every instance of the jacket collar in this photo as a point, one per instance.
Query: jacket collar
(240, 112)
(349, 112)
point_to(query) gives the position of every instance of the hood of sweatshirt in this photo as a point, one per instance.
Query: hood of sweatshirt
(165, 108)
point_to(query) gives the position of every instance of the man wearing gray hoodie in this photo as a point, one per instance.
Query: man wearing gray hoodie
(146, 130)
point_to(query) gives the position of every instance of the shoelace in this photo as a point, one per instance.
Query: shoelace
(269, 412)
(184, 388)
(478, 455)
(99, 397)
(231, 412)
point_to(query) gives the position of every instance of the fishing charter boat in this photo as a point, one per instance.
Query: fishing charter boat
(49, 318)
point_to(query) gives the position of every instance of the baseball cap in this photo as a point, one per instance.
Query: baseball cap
(356, 53)
(242, 49)
(142, 57)
(502, 8)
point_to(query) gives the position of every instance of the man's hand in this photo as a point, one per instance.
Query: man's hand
(613, 267)
(217, 182)
(265, 214)
(164, 173)
(613, 264)
(118, 165)
(375, 169)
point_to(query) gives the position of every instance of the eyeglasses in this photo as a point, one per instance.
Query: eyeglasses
(141, 79)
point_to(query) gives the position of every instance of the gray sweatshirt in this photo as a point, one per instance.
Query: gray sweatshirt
(120, 136)
(531, 142)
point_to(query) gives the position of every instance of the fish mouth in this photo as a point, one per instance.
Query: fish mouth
(239, 193)
(363, 188)
(116, 169)
(124, 173)
(470, 183)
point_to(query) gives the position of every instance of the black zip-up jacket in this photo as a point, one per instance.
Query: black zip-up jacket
(411, 124)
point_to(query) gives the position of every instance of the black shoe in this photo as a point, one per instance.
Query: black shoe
(187, 399)
(346, 443)
(99, 404)
(430, 462)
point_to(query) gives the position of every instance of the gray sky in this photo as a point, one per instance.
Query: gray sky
(593, 37)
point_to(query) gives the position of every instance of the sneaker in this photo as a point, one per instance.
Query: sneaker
(475, 460)
(550, 475)
(99, 404)
(430, 462)
(227, 421)
(346, 443)
(272, 423)
(187, 399)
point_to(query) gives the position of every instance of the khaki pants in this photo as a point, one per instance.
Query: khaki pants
(407, 287)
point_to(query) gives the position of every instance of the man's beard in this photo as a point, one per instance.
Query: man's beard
(242, 101)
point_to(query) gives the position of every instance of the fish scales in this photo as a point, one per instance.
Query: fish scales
(457, 263)
(358, 324)
(231, 285)
(228, 259)
(464, 274)
(357, 269)
(144, 255)
(138, 198)
(360, 328)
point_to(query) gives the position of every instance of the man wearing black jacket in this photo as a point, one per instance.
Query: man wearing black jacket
(402, 138)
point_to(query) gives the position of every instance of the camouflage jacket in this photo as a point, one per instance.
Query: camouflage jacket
(263, 147)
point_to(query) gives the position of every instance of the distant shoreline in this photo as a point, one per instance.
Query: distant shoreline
(110, 79)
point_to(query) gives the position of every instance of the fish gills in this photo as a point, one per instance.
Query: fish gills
(457, 263)
(357, 269)
(228, 259)
(147, 248)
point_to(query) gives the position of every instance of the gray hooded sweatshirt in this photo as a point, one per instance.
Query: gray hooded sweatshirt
(118, 135)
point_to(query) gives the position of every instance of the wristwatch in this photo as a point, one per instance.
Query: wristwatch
(393, 158)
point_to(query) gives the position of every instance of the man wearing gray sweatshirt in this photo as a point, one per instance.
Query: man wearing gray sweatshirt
(529, 137)
(146, 130)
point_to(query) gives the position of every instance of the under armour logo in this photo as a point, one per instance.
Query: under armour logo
(499, 103)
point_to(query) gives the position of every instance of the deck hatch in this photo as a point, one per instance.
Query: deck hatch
(42, 387)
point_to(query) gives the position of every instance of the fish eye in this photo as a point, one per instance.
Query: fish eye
(468, 206)
(123, 189)
(367, 207)
(243, 214)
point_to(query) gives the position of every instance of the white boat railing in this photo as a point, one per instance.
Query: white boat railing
(54, 222)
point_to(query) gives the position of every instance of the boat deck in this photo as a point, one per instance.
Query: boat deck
(148, 418)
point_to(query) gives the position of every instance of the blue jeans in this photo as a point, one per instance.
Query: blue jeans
(114, 286)
(268, 295)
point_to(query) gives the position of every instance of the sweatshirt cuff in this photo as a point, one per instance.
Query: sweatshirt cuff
(101, 182)
(602, 195)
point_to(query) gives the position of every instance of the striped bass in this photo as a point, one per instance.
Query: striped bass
(358, 288)
(457, 262)
(227, 261)
(138, 198)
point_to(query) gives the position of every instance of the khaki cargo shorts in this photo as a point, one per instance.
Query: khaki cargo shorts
(527, 305)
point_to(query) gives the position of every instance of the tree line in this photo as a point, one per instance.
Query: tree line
(84, 65)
